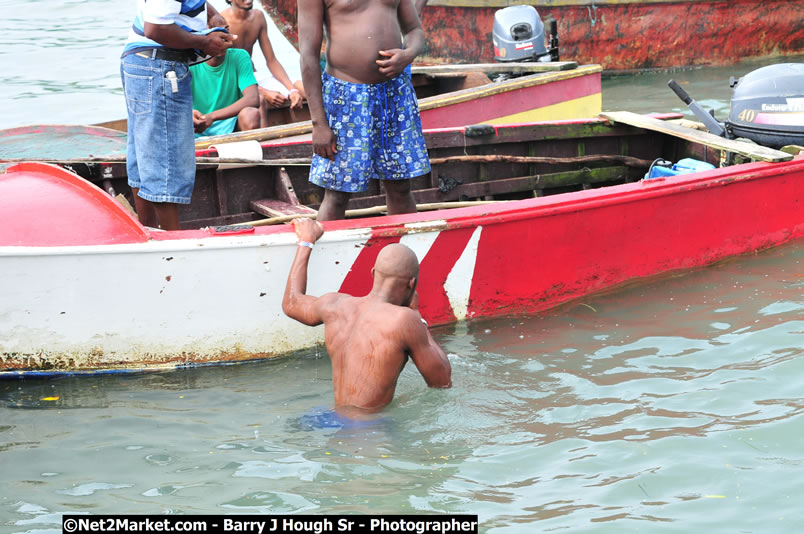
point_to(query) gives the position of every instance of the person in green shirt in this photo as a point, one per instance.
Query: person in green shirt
(225, 97)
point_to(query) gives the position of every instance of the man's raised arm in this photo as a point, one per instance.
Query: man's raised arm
(296, 303)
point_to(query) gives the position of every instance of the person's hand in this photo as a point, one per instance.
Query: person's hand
(308, 230)
(300, 88)
(216, 43)
(275, 99)
(324, 142)
(395, 62)
(201, 122)
(295, 99)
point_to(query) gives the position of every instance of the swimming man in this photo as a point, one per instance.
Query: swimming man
(369, 339)
(363, 108)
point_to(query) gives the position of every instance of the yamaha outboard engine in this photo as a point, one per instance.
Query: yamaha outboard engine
(518, 35)
(767, 106)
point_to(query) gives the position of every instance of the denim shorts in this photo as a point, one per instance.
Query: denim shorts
(161, 141)
(378, 134)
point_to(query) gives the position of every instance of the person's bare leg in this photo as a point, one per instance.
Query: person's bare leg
(333, 206)
(248, 119)
(168, 215)
(399, 197)
(264, 111)
(145, 210)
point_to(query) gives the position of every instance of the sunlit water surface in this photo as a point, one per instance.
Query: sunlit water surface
(673, 405)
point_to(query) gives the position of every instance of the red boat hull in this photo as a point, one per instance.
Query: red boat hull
(617, 34)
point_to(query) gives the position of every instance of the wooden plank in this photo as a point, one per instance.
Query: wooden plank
(508, 185)
(270, 207)
(260, 134)
(497, 68)
(749, 150)
(220, 190)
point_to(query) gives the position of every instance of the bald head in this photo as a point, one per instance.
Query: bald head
(397, 261)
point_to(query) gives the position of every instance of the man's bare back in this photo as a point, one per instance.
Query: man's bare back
(369, 339)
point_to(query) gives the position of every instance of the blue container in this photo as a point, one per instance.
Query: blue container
(684, 166)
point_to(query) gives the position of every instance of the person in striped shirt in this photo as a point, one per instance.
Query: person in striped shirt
(165, 38)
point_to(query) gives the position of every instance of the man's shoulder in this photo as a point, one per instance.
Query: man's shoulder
(257, 17)
(399, 315)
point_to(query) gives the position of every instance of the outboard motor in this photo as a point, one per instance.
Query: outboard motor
(518, 35)
(767, 106)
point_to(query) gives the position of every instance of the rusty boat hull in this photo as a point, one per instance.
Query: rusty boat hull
(620, 35)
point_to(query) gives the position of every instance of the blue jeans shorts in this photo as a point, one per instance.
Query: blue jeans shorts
(161, 141)
(378, 134)
(322, 418)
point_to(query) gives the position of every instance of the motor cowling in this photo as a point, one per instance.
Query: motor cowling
(767, 105)
(518, 35)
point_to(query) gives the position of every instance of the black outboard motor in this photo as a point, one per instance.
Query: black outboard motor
(518, 35)
(767, 106)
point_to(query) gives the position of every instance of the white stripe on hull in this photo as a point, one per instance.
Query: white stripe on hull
(459, 280)
(162, 302)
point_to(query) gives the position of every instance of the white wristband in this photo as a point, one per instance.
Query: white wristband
(305, 244)
(294, 91)
(425, 323)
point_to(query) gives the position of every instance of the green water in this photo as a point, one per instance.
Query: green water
(709, 86)
(669, 406)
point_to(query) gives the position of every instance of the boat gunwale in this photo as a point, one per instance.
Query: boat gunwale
(467, 217)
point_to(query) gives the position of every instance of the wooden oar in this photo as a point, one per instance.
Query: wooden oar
(363, 212)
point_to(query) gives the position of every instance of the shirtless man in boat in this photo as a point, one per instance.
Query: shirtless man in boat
(364, 110)
(250, 26)
(369, 339)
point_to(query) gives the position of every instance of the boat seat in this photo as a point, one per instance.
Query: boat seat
(284, 201)
(271, 207)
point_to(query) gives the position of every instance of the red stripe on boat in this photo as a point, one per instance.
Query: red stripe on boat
(358, 280)
(437, 264)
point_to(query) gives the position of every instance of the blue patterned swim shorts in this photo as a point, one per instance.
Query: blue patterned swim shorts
(378, 134)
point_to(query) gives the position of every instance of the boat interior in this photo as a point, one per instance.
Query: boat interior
(470, 165)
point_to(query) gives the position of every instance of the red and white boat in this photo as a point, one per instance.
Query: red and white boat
(84, 288)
